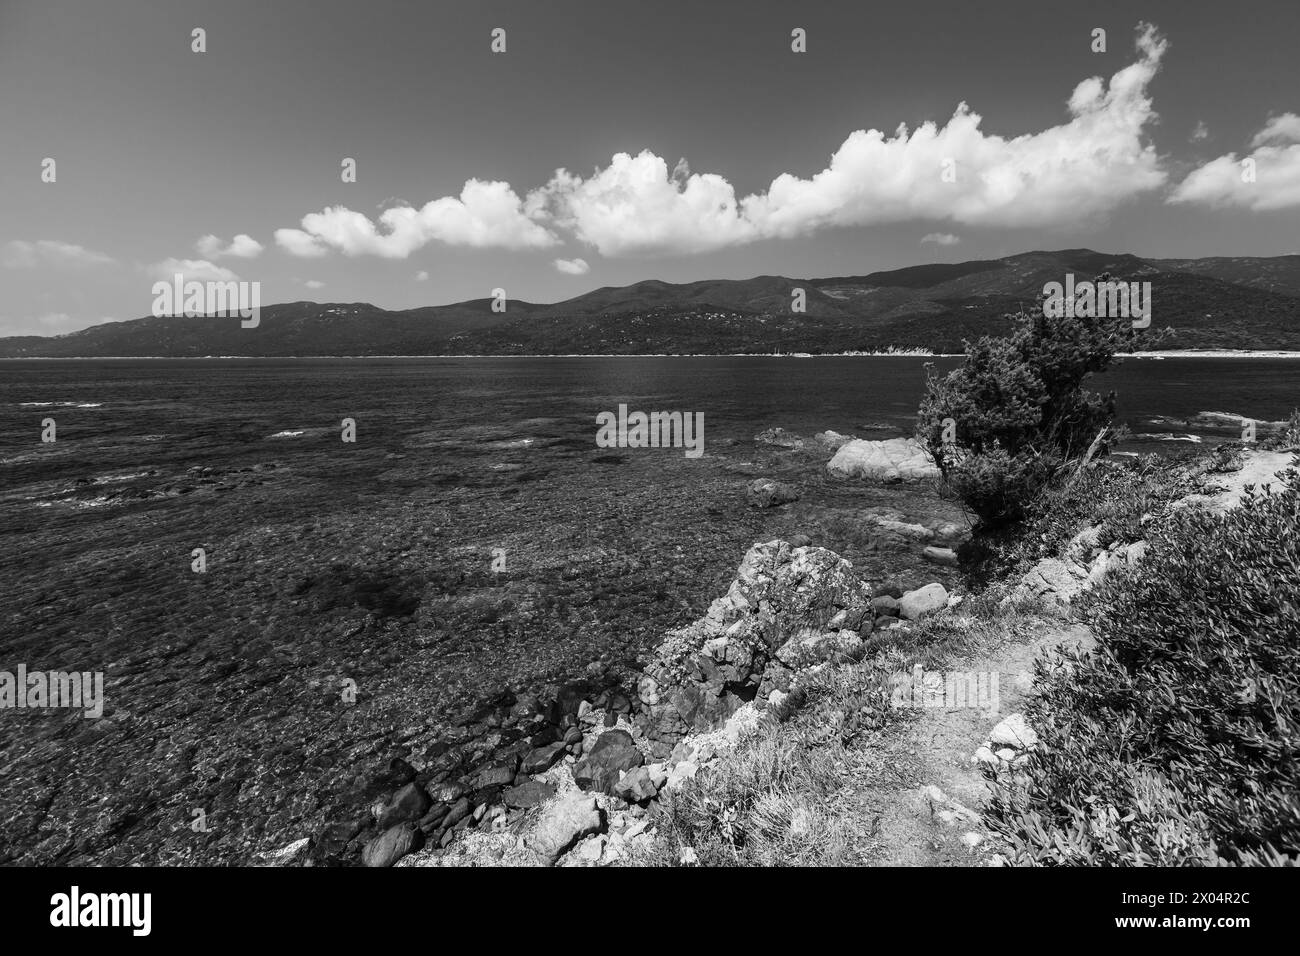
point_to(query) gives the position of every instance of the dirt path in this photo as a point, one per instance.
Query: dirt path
(912, 825)
(922, 793)
(1260, 469)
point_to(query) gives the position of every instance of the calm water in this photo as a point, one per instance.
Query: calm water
(373, 560)
(737, 395)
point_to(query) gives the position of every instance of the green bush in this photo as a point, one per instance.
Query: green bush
(1020, 409)
(1114, 494)
(1176, 742)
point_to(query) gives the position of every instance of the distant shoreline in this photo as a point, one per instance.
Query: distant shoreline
(1173, 353)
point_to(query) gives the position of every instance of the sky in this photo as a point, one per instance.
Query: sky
(611, 142)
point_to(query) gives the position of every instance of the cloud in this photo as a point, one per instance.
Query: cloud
(299, 243)
(422, 276)
(18, 254)
(941, 238)
(1266, 180)
(1279, 130)
(633, 207)
(572, 267)
(1082, 169)
(241, 247)
(192, 270)
(1200, 132)
(314, 284)
(485, 215)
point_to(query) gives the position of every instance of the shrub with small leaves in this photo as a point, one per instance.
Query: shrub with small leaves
(1176, 742)
(1020, 409)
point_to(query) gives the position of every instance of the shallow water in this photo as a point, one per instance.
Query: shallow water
(373, 561)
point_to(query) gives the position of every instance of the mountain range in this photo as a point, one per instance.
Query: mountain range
(1212, 303)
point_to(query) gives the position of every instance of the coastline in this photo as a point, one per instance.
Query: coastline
(1172, 353)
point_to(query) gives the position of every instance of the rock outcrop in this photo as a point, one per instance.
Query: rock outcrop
(895, 459)
(704, 672)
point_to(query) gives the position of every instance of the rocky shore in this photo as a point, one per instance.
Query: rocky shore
(583, 763)
(582, 766)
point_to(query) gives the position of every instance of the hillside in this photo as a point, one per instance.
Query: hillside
(1222, 302)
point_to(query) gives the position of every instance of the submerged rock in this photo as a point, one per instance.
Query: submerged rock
(766, 493)
(779, 437)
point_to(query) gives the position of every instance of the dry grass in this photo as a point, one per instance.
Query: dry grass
(785, 795)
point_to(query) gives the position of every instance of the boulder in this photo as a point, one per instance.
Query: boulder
(499, 774)
(563, 823)
(885, 605)
(408, 804)
(1055, 582)
(458, 812)
(923, 601)
(542, 758)
(895, 459)
(944, 556)
(328, 847)
(530, 793)
(391, 845)
(612, 754)
(638, 786)
(948, 534)
(1013, 731)
(766, 493)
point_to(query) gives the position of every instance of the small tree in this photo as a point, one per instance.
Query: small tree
(1004, 423)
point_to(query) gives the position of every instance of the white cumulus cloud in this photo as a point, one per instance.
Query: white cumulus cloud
(191, 270)
(485, 215)
(1083, 168)
(635, 207)
(243, 246)
(941, 238)
(572, 267)
(639, 205)
(1265, 180)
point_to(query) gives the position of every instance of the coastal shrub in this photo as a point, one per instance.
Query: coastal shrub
(1115, 494)
(1288, 436)
(1177, 741)
(1018, 409)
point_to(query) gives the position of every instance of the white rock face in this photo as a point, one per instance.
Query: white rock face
(896, 459)
(922, 601)
(811, 645)
(563, 823)
(1014, 732)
